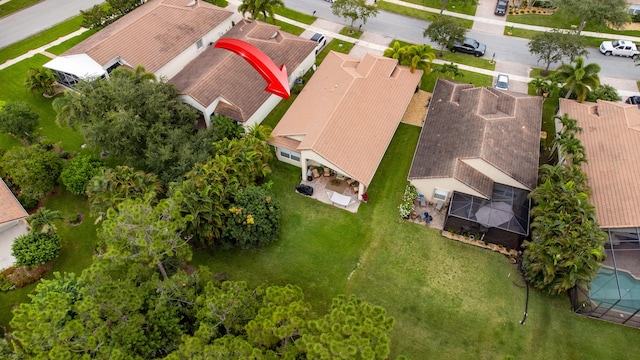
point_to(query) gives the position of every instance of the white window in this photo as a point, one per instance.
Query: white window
(290, 154)
(199, 44)
(440, 194)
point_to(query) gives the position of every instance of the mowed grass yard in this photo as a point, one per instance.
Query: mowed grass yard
(449, 300)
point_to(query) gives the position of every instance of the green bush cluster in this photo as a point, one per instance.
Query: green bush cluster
(35, 248)
(76, 174)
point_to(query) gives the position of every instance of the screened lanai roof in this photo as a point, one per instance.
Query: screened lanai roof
(507, 210)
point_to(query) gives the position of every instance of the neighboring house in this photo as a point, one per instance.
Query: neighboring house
(346, 116)
(611, 138)
(12, 224)
(478, 153)
(221, 82)
(161, 35)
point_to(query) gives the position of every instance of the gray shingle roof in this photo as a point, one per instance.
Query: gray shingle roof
(465, 122)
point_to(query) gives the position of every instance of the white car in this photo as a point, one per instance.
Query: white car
(502, 82)
(619, 48)
(320, 39)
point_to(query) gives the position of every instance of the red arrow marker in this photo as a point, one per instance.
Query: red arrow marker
(277, 79)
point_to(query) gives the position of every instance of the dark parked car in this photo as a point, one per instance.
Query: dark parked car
(633, 100)
(304, 189)
(501, 7)
(469, 46)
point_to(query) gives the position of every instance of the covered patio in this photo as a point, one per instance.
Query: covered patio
(334, 190)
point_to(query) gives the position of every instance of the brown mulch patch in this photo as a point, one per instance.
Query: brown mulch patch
(78, 222)
(417, 109)
(22, 276)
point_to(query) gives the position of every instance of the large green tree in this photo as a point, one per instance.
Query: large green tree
(17, 119)
(566, 245)
(580, 78)
(254, 219)
(444, 30)
(33, 169)
(354, 10)
(266, 8)
(353, 329)
(601, 13)
(552, 46)
(140, 119)
(150, 235)
(209, 188)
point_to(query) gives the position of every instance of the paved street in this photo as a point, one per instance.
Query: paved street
(41, 16)
(511, 53)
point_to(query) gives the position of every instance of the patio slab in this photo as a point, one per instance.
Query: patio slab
(323, 193)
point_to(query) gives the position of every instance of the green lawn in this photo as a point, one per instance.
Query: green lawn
(64, 46)
(295, 15)
(12, 6)
(291, 29)
(467, 7)
(528, 34)
(564, 20)
(348, 31)
(12, 79)
(415, 13)
(43, 38)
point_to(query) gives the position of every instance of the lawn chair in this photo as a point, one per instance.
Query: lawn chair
(439, 205)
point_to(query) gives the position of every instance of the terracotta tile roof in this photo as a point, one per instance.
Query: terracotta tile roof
(10, 207)
(221, 73)
(611, 137)
(349, 111)
(463, 122)
(152, 34)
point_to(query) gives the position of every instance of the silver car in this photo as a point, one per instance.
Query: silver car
(502, 82)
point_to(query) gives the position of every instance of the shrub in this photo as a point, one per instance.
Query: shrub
(33, 169)
(409, 196)
(46, 144)
(28, 202)
(40, 81)
(17, 119)
(35, 248)
(255, 219)
(77, 173)
(635, 18)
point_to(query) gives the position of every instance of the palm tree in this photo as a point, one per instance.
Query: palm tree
(420, 57)
(451, 70)
(544, 86)
(40, 81)
(413, 56)
(578, 78)
(604, 92)
(113, 186)
(42, 221)
(395, 51)
(264, 7)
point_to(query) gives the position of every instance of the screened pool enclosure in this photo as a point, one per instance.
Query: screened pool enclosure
(614, 294)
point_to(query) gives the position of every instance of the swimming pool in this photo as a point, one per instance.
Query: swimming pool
(622, 294)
